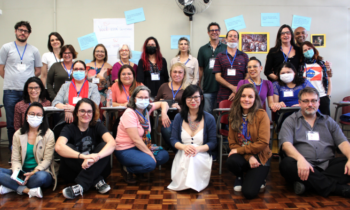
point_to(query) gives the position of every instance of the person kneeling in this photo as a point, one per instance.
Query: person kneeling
(85, 146)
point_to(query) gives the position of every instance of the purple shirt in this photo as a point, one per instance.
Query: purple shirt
(115, 70)
(266, 89)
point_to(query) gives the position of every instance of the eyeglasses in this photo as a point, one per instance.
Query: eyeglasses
(32, 115)
(33, 88)
(23, 31)
(313, 101)
(98, 51)
(196, 98)
(67, 53)
(124, 50)
(214, 30)
(285, 33)
(83, 111)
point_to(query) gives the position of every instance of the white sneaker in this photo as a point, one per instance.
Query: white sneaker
(238, 184)
(5, 190)
(35, 192)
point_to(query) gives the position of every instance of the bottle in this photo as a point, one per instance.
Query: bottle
(109, 98)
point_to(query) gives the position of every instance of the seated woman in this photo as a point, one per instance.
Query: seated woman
(85, 147)
(249, 136)
(32, 152)
(72, 92)
(194, 135)
(33, 91)
(124, 55)
(172, 92)
(134, 150)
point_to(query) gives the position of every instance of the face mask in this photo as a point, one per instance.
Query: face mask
(287, 78)
(142, 103)
(232, 44)
(151, 50)
(309, 54)
(34, 121)
(79, 75)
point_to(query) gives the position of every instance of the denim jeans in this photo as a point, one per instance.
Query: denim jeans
(10, 99)
(166, 134)
(210, 102)
(39, 179)
(138, 162)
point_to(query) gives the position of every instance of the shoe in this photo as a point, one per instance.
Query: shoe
(73, 191)
(5, 190)
(142, 177)
(262, 188)
(238, 184)
(214, 157)
(35, 192)
(102, 187)
(299, 188)
(128, 177)
(346, 191)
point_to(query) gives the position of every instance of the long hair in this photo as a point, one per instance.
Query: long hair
(134, 83)
(297, 80)
(316, 53)
(236, 111)
(44, 126)
(188, 44)
(132, 104)
(184, 83)
(188, 92)
(26, 97)
(278, 44)
(145, 56)
(59, 37)
(104, 48)
(95, 111)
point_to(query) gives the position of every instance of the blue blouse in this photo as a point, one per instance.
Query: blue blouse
(285, 93)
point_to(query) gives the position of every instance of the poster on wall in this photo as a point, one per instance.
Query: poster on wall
(222, 39)
(318, 40)
(113, 33)
(254, 42)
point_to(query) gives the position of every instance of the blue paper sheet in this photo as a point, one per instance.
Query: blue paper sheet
(270, 19)
(136, 56)
(134, 16)
(87, 41)
(175, 40)
(300, 21)
(236, 23)
(87, 61)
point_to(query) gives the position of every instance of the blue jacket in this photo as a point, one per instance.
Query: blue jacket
(209, 131)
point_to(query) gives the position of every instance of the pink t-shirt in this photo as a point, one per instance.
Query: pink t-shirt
(129, 120)
(120, 96)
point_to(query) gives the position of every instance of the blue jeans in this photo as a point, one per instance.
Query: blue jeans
(10, 99)
(166, 134)
(210, 102)
(39, 179)
(138, 162)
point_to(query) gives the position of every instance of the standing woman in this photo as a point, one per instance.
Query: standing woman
(99, 71)
(152, 69)
(124, 57)
(60, 73)
(315, 71)
(249, 137)
(285, 50)
(191, 63)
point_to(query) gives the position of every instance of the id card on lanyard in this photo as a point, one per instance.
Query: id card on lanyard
(77, 98)
(96, 80)
(288, 93)
(155, 75)
(212, 59)
(286, 56)
(21, 66)
(231, 71)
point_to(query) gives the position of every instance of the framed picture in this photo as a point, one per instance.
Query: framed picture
(222, 39)
(318, 40)
(254, 42)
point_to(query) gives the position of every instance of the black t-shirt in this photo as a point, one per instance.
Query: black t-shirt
(84, 141)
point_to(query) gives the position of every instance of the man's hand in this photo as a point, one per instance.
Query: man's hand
(304, 168)
(231, 97)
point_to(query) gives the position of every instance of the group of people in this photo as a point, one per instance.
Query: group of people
(297, 76)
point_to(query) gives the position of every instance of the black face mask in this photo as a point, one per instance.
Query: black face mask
(151, 50)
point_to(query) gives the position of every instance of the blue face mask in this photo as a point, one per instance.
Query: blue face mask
(309, 54)
(79, 75)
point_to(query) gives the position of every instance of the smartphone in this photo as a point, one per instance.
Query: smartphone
(20, 176)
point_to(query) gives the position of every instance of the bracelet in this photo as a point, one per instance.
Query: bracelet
(79, 156)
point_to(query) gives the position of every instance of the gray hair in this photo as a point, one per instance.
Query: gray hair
(131, 104)
(308, 90)
(119, 48)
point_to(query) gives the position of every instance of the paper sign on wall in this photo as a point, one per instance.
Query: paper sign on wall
(270, 19)
(300, 21)
(134, 16)
(136, 56)
(236, 23)
(87, 41)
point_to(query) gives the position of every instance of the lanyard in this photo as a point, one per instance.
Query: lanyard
(262, 82)
(230, 60)
(172, 90)
(54, 56)
(127, 95)
(21, 57)
(80, 88)
(144, 118)
(38, 102)
(284, 55)
(309, 68)
(101, 66)
(122, 63)
(151, 66)
(187, 61)
(68, 72)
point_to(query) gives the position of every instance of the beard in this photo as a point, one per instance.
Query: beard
(21, 40)
(312, 112)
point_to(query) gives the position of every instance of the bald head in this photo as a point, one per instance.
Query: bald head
(300, 35)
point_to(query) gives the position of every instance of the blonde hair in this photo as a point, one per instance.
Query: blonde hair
(184, 80)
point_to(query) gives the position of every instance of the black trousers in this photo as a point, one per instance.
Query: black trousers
(322, 181)
(254, 177)
(325, 105)
(71, 170)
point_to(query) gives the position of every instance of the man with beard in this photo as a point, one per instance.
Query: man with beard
(309, 140)
(18, 62)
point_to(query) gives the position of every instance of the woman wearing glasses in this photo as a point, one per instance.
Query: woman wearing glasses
(33, 92)
(124, 57)
(194, 135)
(72, 92)
(85, 147)
(285, 50)
(32, 153)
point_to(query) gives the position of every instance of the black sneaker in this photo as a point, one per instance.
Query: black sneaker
(102, 187)
(73, 191)
(299, 188)
(238, 184)
(128, 177)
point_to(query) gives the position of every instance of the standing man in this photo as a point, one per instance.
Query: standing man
(206, 60)
(300, 34)
(18, 62)
(230, 67)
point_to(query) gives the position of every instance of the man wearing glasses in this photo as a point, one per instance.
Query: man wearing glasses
(18, 62)
(309, 140)
(206, 59)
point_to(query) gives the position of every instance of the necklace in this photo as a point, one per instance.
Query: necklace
(193, 124)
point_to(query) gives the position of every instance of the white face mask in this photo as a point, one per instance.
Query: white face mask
(232, 44)
(34, 121)
(287, 78)
(142, 103)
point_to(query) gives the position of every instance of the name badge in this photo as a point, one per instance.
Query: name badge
(76, 100)
(288, 93)
(231, 72)
(211, 63)
(21, 67)
(95, 80)
(313, 136)
(155, 77)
